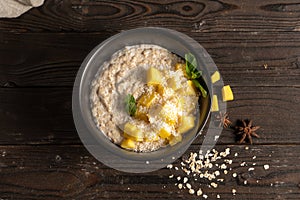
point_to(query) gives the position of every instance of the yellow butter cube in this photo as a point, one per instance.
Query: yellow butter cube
(147, 99)
(187, 123)
(133, 131)
(154, 76)
(215, 104)
(163, 133)
(215, 77)
(128, 144)
(227, 93)
(188, 108)
(174, 139)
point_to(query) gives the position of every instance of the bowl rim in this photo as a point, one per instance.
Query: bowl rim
(82, 125)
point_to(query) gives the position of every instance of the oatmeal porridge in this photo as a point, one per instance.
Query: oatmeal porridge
(164, 100)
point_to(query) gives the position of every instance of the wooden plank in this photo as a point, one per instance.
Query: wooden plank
(40, 59)
(44, 115)
(70, 172)
(202, 16)
(37, 116)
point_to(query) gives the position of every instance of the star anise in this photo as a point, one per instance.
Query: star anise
(246, 130)
(223, 119)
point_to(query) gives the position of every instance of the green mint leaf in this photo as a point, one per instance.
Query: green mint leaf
(199, 86)
(196, 74)
(130, 105)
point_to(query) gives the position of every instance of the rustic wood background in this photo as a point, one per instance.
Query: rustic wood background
(255, 44)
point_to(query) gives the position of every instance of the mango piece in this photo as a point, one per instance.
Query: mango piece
(160, 89)
(141, 114)
(154, 76)
(147, 99)
(227, 93)
(187, 123)
(163, 133)
(188, 108)
(169, 114)
(152, 138)
(128, 144)
(181, 66)
(172, 83)
(174, 139)
(215, 77)
(215, 104)
(188, 89)
(133, 132)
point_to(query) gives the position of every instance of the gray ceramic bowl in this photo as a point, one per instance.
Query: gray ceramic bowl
(94, 140)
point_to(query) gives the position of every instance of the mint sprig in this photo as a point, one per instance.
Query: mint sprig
(193, 73)
(130, 104)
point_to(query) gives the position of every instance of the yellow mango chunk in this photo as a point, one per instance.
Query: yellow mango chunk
(181, 66)
(154, 76)
(152, 138)
(174, 139)
(160, 89)
(169, 114)
(141, 114)
(215, 104)
(172, 83)
(227, 93)
(133, 132)
(163, 133)
(188, 89)
(215, 77)
(185, 106)
(187, 123)
(128, 144)
(147, 99)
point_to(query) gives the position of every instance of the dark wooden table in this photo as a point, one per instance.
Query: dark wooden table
(255, 44)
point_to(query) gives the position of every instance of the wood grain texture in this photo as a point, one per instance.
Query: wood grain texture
(30, 173)
(44, 115)
(241, 36)
(255, 44)
(42, 59)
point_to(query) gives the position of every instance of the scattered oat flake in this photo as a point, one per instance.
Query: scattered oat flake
(214, 185)
(218, 196)
(243, 164)
(170, 166)
(171, 176)
(178, 178)
(234, 174)
(176, 168)
(245, 182)
(246, 147)
(266, 167)
(225, 171)
(191, 191)
(180, 186)
(188, 186)
(199, 192)
(204, 196)
(253, 157)
(250, 169)
(236, 154)
(185, 180)
(233, 191)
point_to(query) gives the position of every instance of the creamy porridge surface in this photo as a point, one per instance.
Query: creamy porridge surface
(126, 73)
